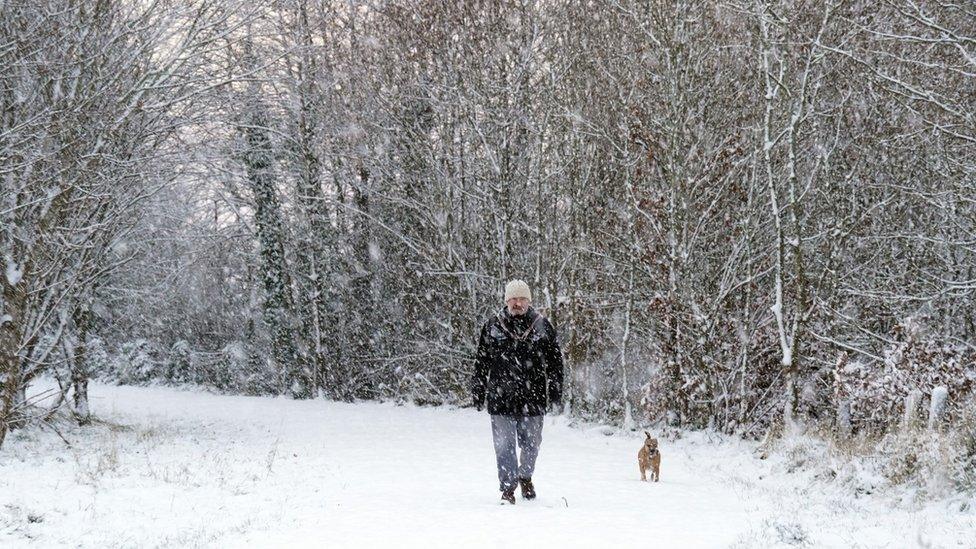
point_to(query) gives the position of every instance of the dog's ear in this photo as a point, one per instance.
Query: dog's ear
(648, 434)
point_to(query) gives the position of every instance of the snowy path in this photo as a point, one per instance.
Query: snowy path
(195, 469)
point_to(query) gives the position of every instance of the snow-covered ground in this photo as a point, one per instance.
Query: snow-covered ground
(174, 468)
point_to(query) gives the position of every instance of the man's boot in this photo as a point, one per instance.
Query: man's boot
(528, 491)
(508, 496)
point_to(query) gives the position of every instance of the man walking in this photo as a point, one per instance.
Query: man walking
(520, 370)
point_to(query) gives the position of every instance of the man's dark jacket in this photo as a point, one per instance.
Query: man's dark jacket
(517, 355)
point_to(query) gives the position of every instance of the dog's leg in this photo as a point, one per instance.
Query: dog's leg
(643, 474)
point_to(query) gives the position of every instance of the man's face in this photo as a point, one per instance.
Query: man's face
(517, 305)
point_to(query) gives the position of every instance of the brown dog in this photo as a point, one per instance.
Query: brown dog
(649, 458)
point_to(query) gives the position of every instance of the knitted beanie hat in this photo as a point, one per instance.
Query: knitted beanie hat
(517, 288)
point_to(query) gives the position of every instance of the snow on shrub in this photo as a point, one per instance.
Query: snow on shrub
(96, 354)
(877, 393)
(228, 368)
(180, 362)
(239, 368)
(135, 364)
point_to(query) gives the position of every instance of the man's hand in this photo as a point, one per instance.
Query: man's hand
(555, 407)
(479, 405)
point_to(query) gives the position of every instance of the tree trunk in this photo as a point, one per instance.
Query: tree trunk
(258, 161)
(81, 370)
(15, 300)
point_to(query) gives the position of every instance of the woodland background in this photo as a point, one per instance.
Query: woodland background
(738, 215)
